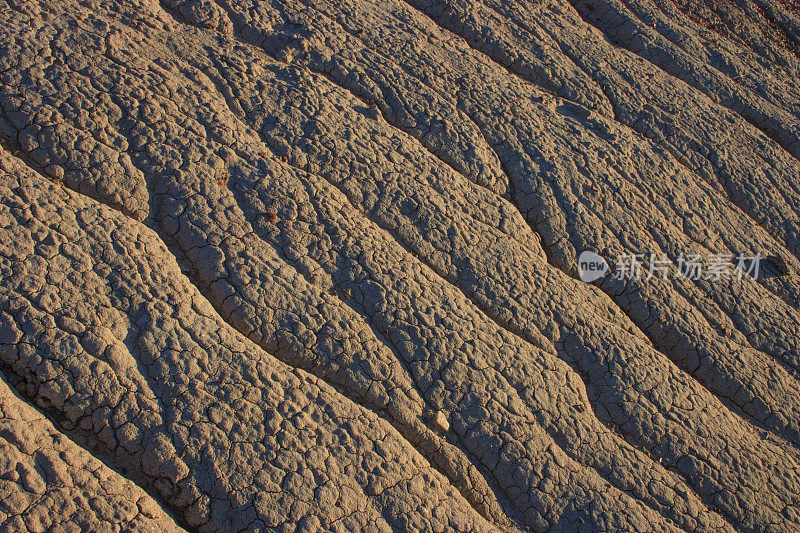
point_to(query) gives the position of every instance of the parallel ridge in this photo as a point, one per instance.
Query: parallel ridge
(385, 197)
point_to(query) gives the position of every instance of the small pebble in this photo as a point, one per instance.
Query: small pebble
(440, 422)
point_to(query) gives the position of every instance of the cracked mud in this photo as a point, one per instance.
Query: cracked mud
(313, 265)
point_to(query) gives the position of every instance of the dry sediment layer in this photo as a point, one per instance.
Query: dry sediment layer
(300, 264)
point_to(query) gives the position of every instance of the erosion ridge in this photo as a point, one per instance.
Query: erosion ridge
(313, 265)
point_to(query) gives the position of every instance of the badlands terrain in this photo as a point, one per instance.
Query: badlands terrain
(314, 265)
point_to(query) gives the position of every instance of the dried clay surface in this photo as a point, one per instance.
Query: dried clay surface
(313, 265)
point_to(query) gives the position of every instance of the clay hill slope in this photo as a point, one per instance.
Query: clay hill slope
(313, 265)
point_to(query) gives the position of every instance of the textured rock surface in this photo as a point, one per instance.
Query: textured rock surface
(300, 264)
(48, 481)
